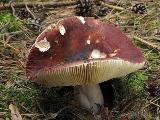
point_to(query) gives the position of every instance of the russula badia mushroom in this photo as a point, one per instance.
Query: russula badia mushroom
(85, 52)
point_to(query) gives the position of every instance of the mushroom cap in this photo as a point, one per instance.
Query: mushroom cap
(80, 51)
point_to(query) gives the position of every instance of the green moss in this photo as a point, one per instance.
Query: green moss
(19, 92)
(152, 59)
(135, 83)
(9, 23)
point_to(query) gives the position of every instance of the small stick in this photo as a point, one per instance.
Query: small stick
(4, 26)
(22, 64)
(4, 109)
(8, 45)
(31, 115)
(153, 38)
(13, 10)
(11, 33)
(149, 44)
(54, 115)
(151, 101)
(114, 7)
(155, 104)
(30, 12)
(31, 4)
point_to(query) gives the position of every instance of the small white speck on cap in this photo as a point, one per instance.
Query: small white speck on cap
(81, 19)
(97, 41)
(88, 42)
(112, 54)
(51, 58)
(97, 54)
(62, 30)
(56, 41)
(42, 45)
(116, 50)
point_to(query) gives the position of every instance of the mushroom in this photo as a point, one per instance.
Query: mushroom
(82, 52)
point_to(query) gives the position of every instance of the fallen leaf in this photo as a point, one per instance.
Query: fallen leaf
(15, 115)
(9, 83)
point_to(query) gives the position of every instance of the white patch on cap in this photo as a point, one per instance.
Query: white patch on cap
(88, 40)
(42, 45)
(81, 19)
(56, 41)
(116, 50)
(97, 41)
(62, 30)
(97, 54)
(112, 54)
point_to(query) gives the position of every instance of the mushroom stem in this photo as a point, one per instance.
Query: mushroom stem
(90, 97)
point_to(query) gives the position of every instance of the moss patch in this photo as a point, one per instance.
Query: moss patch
(9, 23)
(135, 83)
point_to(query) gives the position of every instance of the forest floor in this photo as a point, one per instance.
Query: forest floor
(136, 96)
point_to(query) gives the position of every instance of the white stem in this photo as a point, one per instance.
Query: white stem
(90, 97)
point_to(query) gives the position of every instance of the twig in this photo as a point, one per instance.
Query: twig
(22, 64)
(114, 7)
(10, 2)
(31, 4)
(5, 43)
(54, 115)
(40, 108)
(31, 115)
(4, 26)
(30, 12)
(81, 2)
(155, 99)
(155, 104)
(148, 44)
(8, 45)
(153, 38)
(152, 101)
(13, 10)
(10, 33)
(3, 109)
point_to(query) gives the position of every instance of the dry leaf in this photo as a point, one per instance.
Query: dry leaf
(15, 115)
(2, 115)
(9, 83)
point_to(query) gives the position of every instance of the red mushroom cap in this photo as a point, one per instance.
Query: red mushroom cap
(81, 51)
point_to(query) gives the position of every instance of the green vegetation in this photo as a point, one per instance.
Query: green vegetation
(14, 86)
(135, 83)
(19, 92)
(9, 22)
